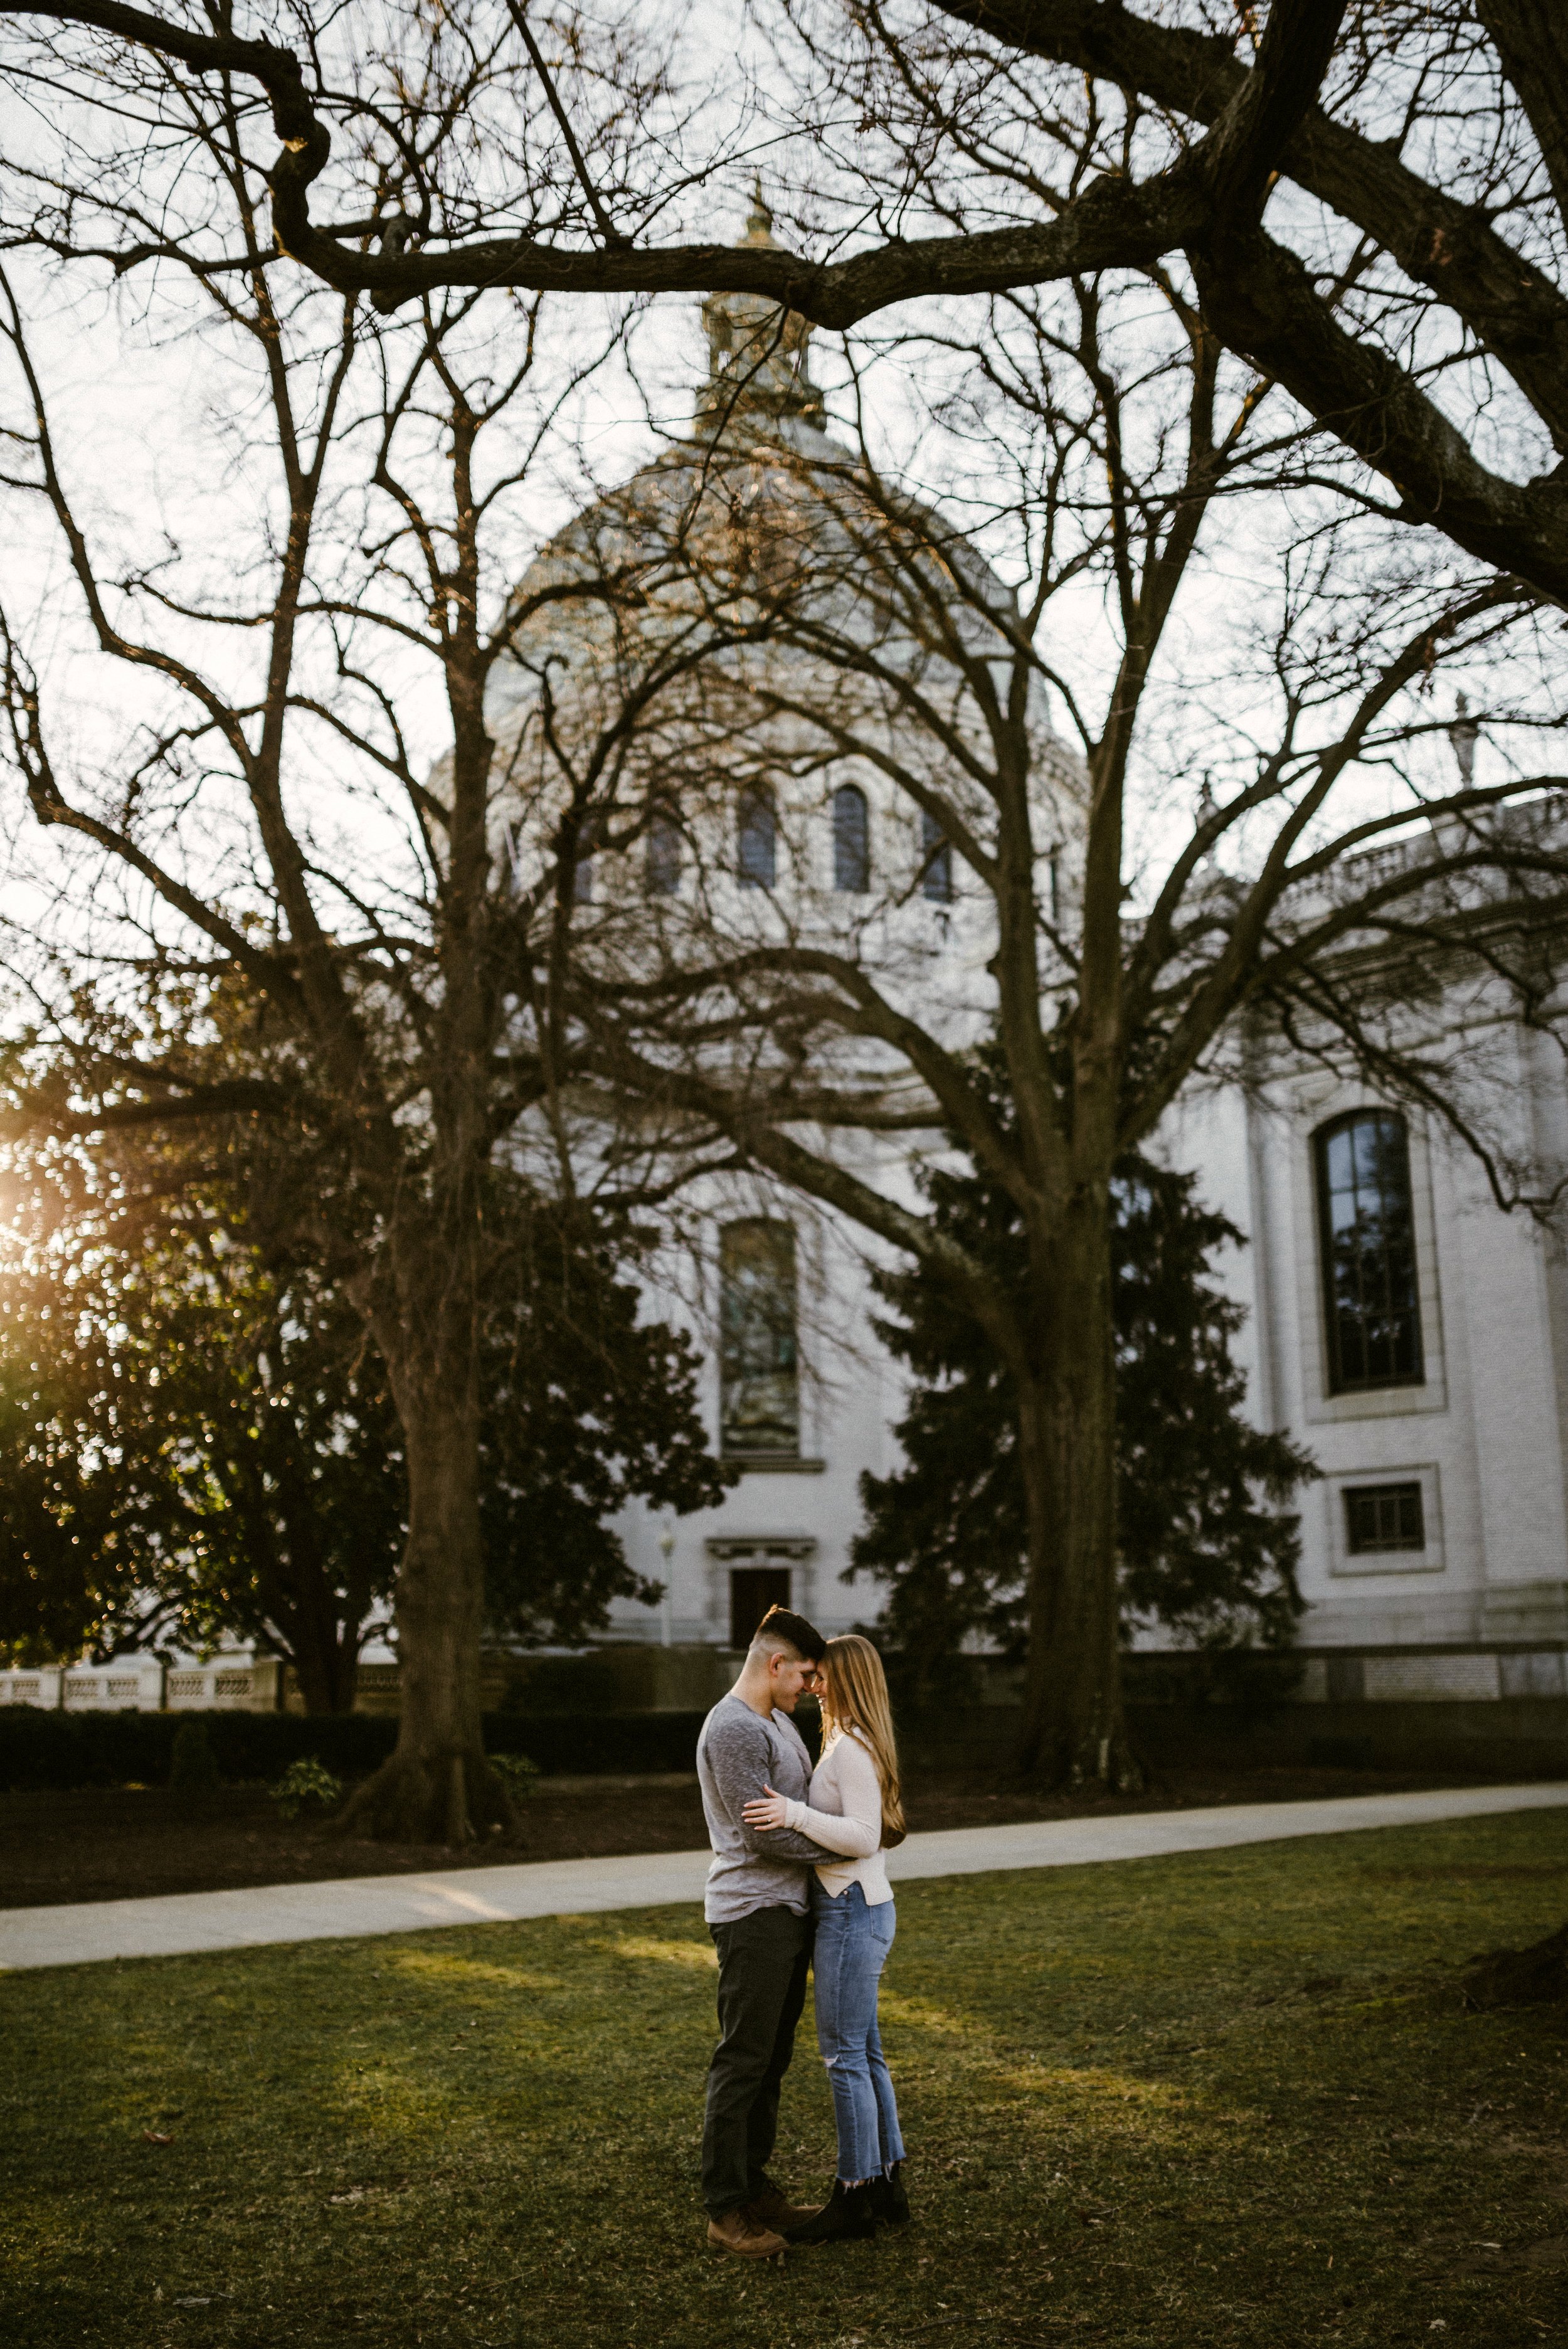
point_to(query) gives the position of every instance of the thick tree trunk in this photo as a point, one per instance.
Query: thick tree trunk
(1075, 1732)
(437, 1787)
(320, 1626)
(327, 1669)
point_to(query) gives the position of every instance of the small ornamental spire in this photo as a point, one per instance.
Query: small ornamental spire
(757, 352)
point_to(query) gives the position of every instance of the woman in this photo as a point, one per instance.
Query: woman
(853, 1807)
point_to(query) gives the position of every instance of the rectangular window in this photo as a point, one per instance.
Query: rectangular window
(760, 1383)
(753, 1590)
(1380, 1518)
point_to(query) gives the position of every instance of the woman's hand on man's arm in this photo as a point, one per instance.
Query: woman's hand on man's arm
(767, 1810)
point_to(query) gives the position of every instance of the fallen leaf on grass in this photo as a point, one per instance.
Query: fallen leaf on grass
(156, 2136)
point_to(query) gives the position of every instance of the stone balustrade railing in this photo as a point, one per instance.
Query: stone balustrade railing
(138, 1685)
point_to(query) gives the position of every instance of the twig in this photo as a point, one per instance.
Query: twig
(611, 235)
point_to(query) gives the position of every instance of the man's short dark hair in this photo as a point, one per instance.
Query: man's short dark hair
(780, 1624)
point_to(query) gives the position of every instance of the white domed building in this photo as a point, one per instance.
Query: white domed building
(1429, 1378)
(740, 821)
(1411, 1336)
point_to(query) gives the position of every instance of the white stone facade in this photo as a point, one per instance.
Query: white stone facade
(1482, 1434)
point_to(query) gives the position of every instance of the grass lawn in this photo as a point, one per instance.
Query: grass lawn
(1212, 2099)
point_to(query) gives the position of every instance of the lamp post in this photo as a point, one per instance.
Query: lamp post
(667, 1545)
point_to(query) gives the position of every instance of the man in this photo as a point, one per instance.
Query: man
(757, 1906)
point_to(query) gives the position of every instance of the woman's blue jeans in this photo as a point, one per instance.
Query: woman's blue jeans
(851, 1950)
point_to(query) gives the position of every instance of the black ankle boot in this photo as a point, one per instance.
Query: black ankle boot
(890, 2198)
(849, 2214)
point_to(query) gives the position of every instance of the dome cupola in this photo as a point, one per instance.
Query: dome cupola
(756, 350)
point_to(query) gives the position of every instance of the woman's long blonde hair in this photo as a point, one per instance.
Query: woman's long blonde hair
(854, 1696)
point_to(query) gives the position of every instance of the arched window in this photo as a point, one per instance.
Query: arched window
(759, 1387)
(852, 841)
(663, 873)
(936, 861)
(1367, 1234)
(758, 841)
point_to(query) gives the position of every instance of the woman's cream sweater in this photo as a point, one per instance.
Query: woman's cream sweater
(842, 1811)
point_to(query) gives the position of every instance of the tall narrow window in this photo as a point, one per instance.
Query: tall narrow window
(1367, 1237)
(759, 1399)
(936, 861)
(758, 841)
(851, 841)
(664, 875)
(590, 834)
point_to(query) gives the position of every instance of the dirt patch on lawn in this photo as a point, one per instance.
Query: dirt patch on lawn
(125, 1843)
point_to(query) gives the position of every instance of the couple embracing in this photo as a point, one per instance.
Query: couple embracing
(798, 1883)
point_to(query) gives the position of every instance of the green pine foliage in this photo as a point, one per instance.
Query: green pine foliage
(1209, 1544)
(586, 1404)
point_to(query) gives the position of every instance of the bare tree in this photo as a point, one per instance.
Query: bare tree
(1406, 291)
(989, 167)
(336, 944)
(875, 850)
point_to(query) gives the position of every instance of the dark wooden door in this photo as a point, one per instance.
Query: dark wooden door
(753, 1590)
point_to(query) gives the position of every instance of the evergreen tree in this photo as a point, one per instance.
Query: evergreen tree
(1208, 1544)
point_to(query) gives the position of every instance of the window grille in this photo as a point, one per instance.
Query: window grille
(851, 841)
(758, 842)
(663, 858)
(759, 1405)
(936, 861)
(589, 837)
(1366, 1233)
(1380, 1518)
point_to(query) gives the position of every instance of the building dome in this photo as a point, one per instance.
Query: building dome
(790, 772)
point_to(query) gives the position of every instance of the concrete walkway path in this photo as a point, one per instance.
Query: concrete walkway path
(181, 1923)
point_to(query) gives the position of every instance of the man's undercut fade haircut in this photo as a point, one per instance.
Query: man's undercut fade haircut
(782, 1629)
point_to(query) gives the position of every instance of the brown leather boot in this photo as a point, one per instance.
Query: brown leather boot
(739, 2231)
(771, 2209)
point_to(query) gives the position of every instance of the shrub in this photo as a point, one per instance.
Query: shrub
(40, 1748)
(307, 1783)
(515, 1772)
(193, 1765)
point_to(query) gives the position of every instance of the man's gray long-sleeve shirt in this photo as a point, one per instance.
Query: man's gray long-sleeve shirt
(739, 1755)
